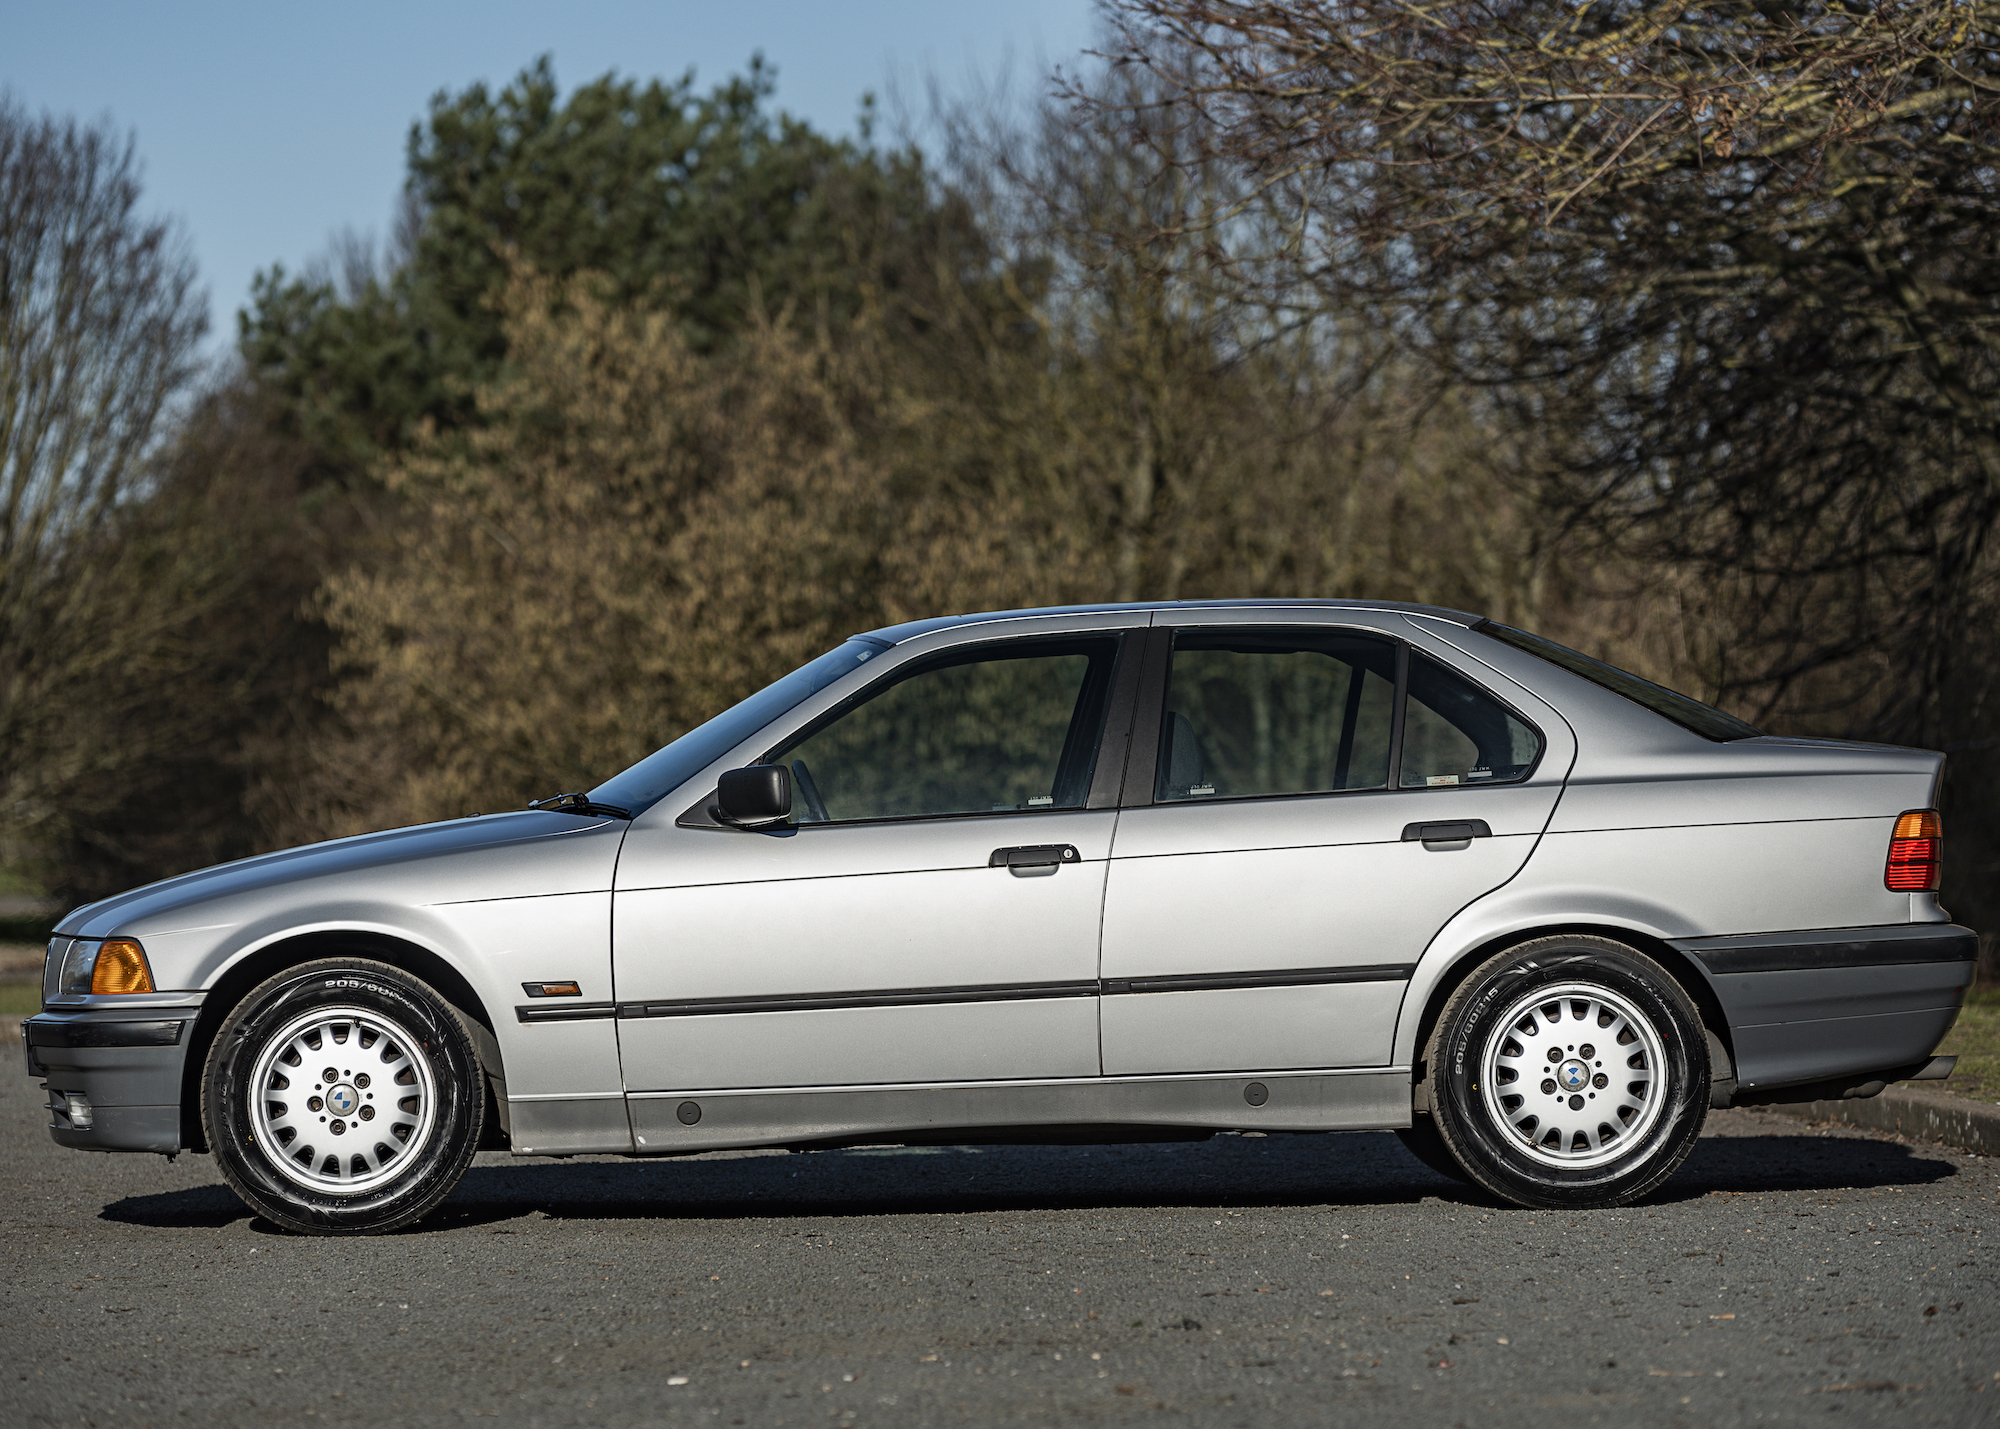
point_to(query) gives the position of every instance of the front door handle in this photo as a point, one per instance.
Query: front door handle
(1454, 833)
(1034, 860)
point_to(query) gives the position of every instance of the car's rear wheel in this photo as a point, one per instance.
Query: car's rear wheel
(343, 1097)
(1569, 1072)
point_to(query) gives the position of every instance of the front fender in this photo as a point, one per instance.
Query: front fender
(495, 945)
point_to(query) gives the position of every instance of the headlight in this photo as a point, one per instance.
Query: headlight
(109, 965)
(77, 964)
(55, 968)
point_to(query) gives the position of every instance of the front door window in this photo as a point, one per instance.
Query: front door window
(1003, 729)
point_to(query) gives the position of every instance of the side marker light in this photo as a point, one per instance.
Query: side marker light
(552, 989)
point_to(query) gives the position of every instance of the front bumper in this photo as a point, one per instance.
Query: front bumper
(1836, 1003)
(126, 1063)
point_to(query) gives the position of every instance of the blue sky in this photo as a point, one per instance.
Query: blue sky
(269, 128)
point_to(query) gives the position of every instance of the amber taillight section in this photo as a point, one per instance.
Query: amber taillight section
(1916, 852)
(121, 967)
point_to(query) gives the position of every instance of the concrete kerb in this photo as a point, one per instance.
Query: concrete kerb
(1923, 1116)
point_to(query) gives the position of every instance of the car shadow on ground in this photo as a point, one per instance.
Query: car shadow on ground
(1236, 1173)
(1749, 1164)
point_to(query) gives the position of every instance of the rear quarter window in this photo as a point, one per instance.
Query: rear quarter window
(1455, 733)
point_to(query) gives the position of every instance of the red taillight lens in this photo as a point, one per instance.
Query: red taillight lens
(1916, 853)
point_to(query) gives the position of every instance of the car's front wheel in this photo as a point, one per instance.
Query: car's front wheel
(343, 1097)
(1569, 1072)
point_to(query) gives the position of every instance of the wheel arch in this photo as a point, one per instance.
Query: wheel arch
(1683, 969)
(273, 958)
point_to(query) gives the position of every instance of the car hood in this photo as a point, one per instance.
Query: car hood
(524, 853)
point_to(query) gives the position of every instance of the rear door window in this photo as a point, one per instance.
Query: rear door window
(1253, 713)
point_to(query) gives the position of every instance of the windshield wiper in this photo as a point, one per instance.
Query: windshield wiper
(578, 803)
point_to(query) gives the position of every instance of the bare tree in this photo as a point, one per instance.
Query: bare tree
(99, 325)
(1737, 265)
(1192, 432)
(1741, 256)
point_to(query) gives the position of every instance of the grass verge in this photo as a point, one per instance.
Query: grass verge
(1975, 1040)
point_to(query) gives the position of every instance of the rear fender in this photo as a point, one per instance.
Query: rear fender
(1501, 921)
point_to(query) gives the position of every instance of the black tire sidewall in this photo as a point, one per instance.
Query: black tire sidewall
(437, 1036)
(1491, 1155)
(1422, 1140)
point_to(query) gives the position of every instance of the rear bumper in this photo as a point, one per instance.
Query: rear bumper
(125, 1064)
(1836, 1003)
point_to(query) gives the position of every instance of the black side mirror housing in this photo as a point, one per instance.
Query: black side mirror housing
(756, 797)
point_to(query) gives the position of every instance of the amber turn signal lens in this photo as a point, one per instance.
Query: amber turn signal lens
(1916, 853)
(1919, 824)
(121, 967)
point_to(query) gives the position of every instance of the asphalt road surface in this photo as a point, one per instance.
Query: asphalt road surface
(1789, 1274)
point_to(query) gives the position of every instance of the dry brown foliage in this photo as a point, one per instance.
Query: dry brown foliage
(636, 535)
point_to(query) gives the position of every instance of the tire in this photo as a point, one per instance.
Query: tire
(1604, 1123)
(1423, 1141)
(372, 1148)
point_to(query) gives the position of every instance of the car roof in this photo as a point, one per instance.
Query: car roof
(908, 630)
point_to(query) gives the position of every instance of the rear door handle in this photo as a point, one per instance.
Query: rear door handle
(1034, 860)
(1455, 831)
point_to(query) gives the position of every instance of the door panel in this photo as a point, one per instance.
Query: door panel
(837, 911)
(1292, 921)
(931, 913)
(1357, 896)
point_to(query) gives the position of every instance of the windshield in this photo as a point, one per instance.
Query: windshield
(1688, 713)
(664, 770)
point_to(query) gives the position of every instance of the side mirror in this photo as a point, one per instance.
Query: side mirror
(755, 797)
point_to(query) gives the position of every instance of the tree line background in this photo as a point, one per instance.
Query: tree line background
(1668, 333)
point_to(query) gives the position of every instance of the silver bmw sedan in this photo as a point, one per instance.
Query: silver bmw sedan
(1117, 872)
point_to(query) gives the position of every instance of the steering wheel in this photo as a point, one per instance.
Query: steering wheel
(809, 791)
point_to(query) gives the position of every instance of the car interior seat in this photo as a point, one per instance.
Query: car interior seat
(1182, 759)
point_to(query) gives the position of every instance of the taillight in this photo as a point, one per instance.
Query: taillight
(1916, 853)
